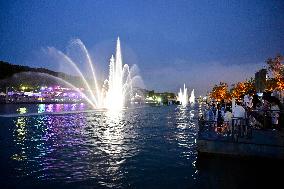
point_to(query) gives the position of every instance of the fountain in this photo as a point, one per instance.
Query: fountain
(116, 91)
(182, 96)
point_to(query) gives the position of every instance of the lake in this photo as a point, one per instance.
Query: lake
(142, 147)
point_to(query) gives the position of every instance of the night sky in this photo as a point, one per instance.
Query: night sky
(173, 42)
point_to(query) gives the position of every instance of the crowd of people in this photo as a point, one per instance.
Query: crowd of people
(259, 112)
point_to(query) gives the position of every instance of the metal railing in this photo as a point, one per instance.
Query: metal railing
(225, 130)
(241, 127)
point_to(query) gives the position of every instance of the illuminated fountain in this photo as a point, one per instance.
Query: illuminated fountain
(182, 96)
(115, 92)
(119, 83)
(192, 97)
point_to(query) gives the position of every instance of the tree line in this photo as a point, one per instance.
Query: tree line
(275, 81)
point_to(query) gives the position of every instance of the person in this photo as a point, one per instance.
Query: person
(255, 101)
(259, 107)
(223, 110)
(206, 113)
(211, 115)
(239, 111)
(219, 116)
(239, 114)
(246, 100)
(250, 104)
(275, 110)
(266, 105)
(266, 114)
(228, 118)
(214, 110)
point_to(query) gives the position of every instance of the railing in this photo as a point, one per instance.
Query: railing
(225, 130)
(241, 128)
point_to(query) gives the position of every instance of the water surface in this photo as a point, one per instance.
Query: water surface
(147, 147)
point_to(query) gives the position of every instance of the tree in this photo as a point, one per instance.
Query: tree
(242, 88)
(220, 92)
(271, 84)
(275, 65)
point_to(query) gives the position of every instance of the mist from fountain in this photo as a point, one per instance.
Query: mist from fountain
(116, 91)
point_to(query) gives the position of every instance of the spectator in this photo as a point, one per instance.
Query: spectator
(275, 110)
(208, 114)
(219, 117)
(239, 111)
(246, 100)
(255, 101)
(223, 110)
(214, 110)
(228, 117)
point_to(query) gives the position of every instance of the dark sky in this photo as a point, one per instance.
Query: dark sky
(173, 42)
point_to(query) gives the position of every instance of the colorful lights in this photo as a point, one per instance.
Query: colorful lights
(23, 88)
(159, 99)
(22, 110)
(41, 108)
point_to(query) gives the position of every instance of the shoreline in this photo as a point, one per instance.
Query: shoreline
(44, 102)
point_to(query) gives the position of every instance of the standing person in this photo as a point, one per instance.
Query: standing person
(228, 118)
(219, 116)
(250, 104)
(266, 114)
(255, 101)
(275, 110)
(239, 113)
(210, 115)
(223, 110)
(206, 114)
(214, 110)
(246, 100)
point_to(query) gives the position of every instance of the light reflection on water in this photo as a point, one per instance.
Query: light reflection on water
(137, 147)
(40, 108)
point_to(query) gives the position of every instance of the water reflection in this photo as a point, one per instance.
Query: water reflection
(22, 110)
(186, 134)
(49, 108)
(185, 123)
(58, 107)
(80, 144)
(41, 108)
(19, 138)
(73, 107)
(114, 140)
(21, 128)
(110, 149)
